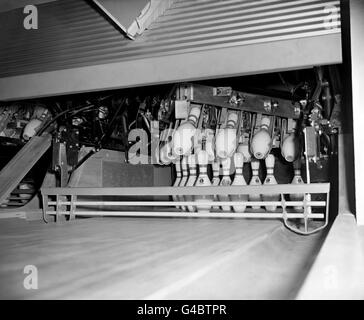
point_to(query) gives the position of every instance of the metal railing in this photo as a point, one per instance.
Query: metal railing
(69, 202)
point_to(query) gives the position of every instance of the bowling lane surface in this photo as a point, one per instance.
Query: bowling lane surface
(150, 258)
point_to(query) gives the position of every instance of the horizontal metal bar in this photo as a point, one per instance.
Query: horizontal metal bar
(190, 203)
(189, 214)
(266, 28)
(255, 18)
(218, 190)
(142, 72)
(187, 5)
(235, 22)
(74, 55)
(217, 13)
(18, 198)
(23, 191)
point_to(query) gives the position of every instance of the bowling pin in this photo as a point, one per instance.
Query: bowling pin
(244, 150)
(184, 179)
(191, 160)
(261, 142)
(31, 128)
(239, 181)
(255, 181)
(203, 180)
(225, 181)
(205, 141)
(215, 178)
(226, 138)
(270, 180)
(290, 148)
(166, 155)
(178, 179)
(210, 143)
(297, 179)
(183, 136)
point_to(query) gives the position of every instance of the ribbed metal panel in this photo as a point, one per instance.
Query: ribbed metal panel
(72, 34)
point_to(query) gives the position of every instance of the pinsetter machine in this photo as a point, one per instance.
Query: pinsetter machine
(224, 153)
(231, 154)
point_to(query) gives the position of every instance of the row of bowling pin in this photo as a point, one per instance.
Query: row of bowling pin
(262, 143)
(225, 143)
(186, 175)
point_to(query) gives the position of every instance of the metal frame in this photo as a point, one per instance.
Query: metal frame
(283, 54)
(356, 8)
(114, 20)
(72, 200)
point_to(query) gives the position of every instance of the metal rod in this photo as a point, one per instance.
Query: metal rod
(188, 203)
(188, 214)
(211, 190)
(45, 207)
(57, 208)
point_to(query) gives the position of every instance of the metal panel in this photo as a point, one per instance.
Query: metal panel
(357, 80)
(7, 5)
(72, 34)
(124, 11)
(204, 64)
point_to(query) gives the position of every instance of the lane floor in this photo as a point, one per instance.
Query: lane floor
(153, 258)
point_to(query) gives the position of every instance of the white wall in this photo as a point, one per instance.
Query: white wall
(357, 61)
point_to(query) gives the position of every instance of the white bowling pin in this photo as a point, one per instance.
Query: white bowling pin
(183, 136)
(297, 179)
(205, 140)
(203, 180)
(270, 180)
(178, 179)
(191, 160)
(239, 181)
(166, 155)
(215, 177)
(255, 181)
(184, 179)
(225, 141)
(210, 143)
(243, 148)
(31, 128)
(225, 181)
(261, 142)
(290, 148)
